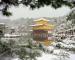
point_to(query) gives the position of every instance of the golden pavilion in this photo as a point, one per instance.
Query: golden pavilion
(41, 31)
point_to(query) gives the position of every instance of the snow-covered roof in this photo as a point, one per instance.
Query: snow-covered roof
(2, 23)
(36, 25)
(42, 24)
(11, 35)
(41, 19)
(30, 30)
(12, 27)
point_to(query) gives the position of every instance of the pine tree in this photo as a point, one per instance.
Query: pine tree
(27, 50)
(65, 38)
(34, 4)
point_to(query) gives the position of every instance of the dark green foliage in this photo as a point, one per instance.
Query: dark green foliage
(71, 17)
(5, 11)
(28, 51)
(10, 2)
(4, 48)
(36, 4)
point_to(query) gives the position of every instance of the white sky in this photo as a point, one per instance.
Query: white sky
(46, 11)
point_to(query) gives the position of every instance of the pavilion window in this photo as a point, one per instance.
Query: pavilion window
(40, 35)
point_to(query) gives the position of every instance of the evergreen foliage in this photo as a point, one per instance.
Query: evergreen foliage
(35, 4)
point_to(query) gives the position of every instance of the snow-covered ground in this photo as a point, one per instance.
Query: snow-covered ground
(72, 57)
(54, 56)
(46, 56)
(50, 57)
